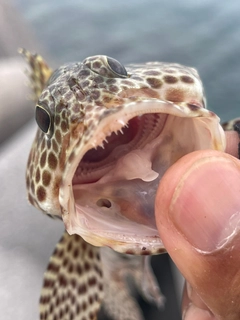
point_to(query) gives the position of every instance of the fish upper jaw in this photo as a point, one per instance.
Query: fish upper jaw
(110, 201)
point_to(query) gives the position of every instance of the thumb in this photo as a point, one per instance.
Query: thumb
(198, 218)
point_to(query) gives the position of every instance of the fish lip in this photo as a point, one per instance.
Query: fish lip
(123, 242)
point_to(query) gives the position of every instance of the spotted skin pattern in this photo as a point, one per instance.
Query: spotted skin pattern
(64, 296)
(75, 99)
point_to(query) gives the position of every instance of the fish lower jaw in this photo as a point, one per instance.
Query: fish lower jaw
(145, 242)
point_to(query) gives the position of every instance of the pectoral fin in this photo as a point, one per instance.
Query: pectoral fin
(122, 274)
(73, 285)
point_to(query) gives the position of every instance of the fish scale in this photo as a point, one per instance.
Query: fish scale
(105, 196)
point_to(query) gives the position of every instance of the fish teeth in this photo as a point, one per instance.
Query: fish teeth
(93, 144)
(123, 123)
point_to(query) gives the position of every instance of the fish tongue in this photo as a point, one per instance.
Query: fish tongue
(134, 165)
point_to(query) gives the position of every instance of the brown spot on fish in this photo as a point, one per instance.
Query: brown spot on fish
(100, 287)
(111, 81)
(64, 126)
(82, 289)
(84, 73)
(61, 106)
(85, 84)
(79, 270)
(75, 253)
(57, 119)
(170, 79)
(90, 300)
(52, 161)
(154, 83)
(53, 267)
(60, 253)
(95, 94)
(62, 280)
(145, 252)
(65, 262)
(41, 194)
(92, 281)
(86, 266)
(96, 64)
(43, 159)
(129, 251)
(90, 254)
(84, 306)
(187, 79)
(98, 79)
(161, 250)
(38, 175)
(69, 247)
(113, 89)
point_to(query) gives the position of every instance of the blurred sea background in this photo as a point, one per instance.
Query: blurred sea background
(204, 34)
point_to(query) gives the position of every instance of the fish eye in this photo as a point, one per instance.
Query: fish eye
(117, 68)
(43, 119)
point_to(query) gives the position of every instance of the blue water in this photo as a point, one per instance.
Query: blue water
(202, 33)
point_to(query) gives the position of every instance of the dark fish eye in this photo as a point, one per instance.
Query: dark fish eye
(117, 67)
(43, 119)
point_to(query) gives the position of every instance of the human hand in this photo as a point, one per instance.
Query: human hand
(198, 218)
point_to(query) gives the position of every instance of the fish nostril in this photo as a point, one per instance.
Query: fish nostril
(104, 203)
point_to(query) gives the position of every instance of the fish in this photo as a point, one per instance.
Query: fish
(106, 135)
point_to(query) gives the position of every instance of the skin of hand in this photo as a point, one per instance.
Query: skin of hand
(198, 218)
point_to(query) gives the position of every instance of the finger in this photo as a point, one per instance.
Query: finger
(232, 140)
(198, 218)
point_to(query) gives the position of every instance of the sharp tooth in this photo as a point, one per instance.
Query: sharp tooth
(94, 145)
(121, 131)
(121, 122)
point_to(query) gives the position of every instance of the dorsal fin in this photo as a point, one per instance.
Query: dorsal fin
(39, 72)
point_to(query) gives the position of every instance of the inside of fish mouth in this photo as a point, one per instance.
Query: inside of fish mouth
(118, 182)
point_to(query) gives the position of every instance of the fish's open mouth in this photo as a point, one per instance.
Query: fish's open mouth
(110, 198)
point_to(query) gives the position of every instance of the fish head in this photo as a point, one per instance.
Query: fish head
(107, 134)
